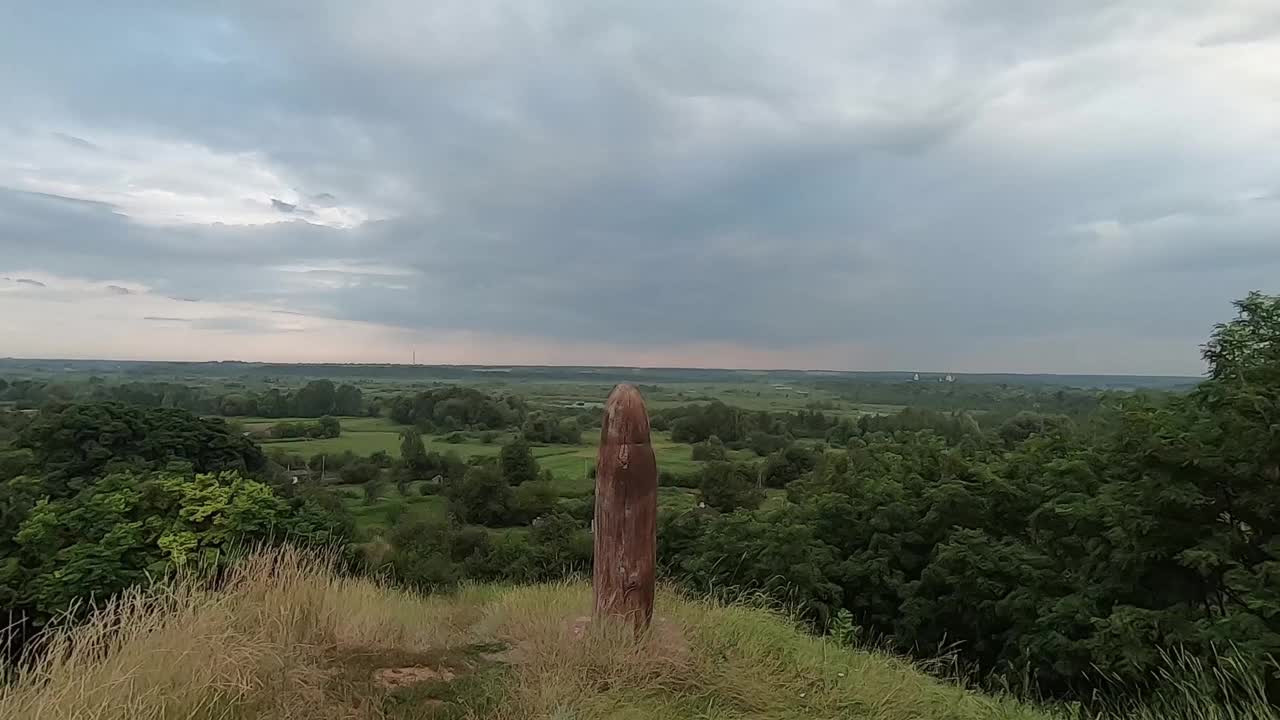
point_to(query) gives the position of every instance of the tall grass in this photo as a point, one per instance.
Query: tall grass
(1191, 689)
(286, 637)
(256, 647)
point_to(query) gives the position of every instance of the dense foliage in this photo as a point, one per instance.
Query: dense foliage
(437, 555)
(109, 494)
(516, 462)
(325, 427)
(542, 428)
(1045, 551)
(456, 408)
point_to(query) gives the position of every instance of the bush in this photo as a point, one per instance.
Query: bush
(710, 449)
(542, 428)
(359, 473)
(667, 478)
(325, 427)
(788, 466)
(532, 500)
(482, 497)
(422, 554)
(763, 444)
(328, 427)
(582, 509)
(517, 462)
(730, 486)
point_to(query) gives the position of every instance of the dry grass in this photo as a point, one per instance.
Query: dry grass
(285, 637)
(257, 648)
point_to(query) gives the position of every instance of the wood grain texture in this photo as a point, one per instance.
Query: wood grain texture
(626, 541)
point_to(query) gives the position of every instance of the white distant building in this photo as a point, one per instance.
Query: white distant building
(916, 377)
(951, 378)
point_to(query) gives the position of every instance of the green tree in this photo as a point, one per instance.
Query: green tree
(316, 398)
(729, 486)
(273, 404)
(329, 427)
(788, 465)
(711, 449)
(517, 462)
(413, 452)
(79, 442)
(1027, 424)
(423, 554)
(348, 400)
(364, 473)
(481, 497)
(128, 526)
(531, 500)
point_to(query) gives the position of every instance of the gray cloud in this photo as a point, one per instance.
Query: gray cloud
(76, 142)
(946, 186)
(29, 281)
(237, 324)
(117, 290)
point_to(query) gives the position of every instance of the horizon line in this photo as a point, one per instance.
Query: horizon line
(603, 367)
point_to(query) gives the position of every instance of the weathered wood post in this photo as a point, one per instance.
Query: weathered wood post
(626, 527)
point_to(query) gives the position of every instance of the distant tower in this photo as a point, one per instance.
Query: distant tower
(415, 358)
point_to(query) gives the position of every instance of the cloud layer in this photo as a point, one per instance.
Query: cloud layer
(952, 185)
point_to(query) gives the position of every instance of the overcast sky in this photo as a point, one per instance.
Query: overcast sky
(973, 185)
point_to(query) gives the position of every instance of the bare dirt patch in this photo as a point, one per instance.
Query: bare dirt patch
(393, 678)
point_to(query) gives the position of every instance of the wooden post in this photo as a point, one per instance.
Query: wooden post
(626, 525)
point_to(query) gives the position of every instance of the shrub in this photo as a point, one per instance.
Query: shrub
(710, 449)
(482, 497)
(730, 486)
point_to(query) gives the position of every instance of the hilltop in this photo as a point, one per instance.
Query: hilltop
(287, 638)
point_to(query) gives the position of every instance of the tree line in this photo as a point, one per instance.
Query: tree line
(1065, 555)
(316, 398)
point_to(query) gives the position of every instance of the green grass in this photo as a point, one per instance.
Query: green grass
(360, 443)
(376, 518)
(774, 498)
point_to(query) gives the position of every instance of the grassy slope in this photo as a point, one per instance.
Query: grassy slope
(285, 638)
(290, 640)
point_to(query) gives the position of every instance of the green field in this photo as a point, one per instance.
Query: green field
(373, 518)
(568, 463)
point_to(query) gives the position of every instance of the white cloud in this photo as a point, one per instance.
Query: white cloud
(160, 182)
